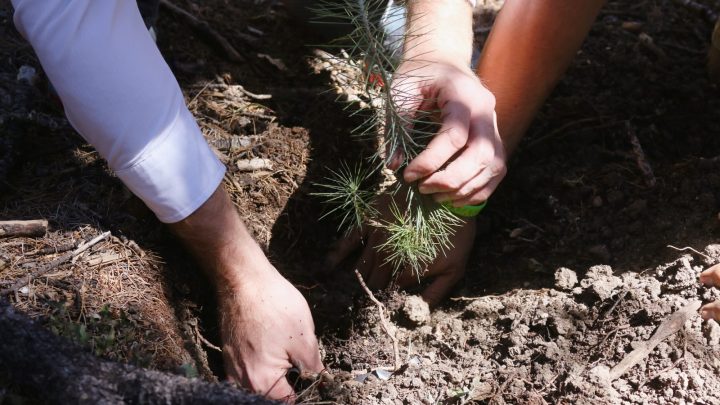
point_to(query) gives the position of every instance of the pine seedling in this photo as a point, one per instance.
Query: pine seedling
(348, 194)
(418, 229)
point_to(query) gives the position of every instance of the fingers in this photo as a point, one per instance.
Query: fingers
(479, 196)
(308, 360)
(395, 160)
(275, 386)
(452, 138)
(440, 287)
(711, 311)
(343, 248)
(269, 381)
(381, 274)
(476, 172)
(711, 276)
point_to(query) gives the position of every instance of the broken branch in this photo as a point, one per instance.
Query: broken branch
(670, 326)
(32, 228)
(53, 264)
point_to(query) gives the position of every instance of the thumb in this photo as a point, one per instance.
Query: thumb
(342, 248)
(440, 287)
(274, 385)
(307, 358)
(711, 276)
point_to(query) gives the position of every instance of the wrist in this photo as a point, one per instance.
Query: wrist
(439, 30)
(221, 244)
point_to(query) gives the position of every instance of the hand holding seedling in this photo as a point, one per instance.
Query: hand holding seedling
(377, 267)
(465, 161)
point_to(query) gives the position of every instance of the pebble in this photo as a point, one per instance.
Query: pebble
(600, 281)
(565, 279)
(713, 254)
(416, 310)
(27, 74)
(711, 330)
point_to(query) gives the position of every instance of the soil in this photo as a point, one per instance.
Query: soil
(608, 213)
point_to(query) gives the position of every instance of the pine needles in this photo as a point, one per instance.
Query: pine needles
(418, 229)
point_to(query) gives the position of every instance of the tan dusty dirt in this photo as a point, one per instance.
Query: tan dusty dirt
(575, 198)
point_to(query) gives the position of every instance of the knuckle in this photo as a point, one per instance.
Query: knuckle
(451, 183)
(457, 138)
(482, 196)
(498, 169)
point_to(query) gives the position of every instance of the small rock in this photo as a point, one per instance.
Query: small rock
(416, 310)
(486, 307)
(685, 276)
(711, 330)
(713, 254)
(3, 264)
(563, 325)
(600, 375)
(27, 74)
(482, 391)
(596, 273)
(653, 287)
(600, 281)
(565, 279)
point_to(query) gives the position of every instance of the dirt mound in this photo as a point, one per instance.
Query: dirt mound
(552, 345)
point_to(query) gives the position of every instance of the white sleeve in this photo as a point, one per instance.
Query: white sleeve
(121, 96)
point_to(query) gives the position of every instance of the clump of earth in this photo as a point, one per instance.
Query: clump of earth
(550, 345)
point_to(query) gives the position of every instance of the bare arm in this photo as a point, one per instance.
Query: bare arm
(528, 50)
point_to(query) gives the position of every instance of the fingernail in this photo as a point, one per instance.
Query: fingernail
(704, 313)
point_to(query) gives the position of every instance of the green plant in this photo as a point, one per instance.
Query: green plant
(107, 333)
(421, 229)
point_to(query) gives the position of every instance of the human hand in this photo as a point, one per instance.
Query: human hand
(266, 329)
(265, 323)
(711, 277)
(447, 269)
(465, 161)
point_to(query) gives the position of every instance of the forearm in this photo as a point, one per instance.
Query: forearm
(121, 96)
(529, 48)
(219, 241)
(439, 30)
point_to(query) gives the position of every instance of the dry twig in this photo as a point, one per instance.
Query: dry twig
(690, 249)
(32, 228)
(202, 339)
(53, 264)
(640, 157)
(383, 320)
(670, 326)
